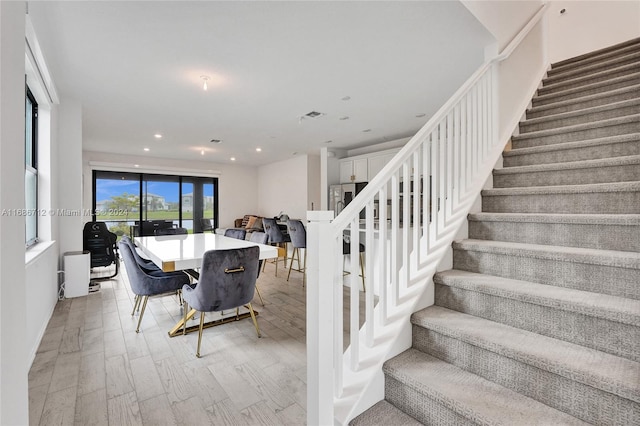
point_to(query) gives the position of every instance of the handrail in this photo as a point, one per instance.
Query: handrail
(357, 203)
(431, 185)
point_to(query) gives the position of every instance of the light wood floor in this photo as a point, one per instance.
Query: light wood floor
(92, 368)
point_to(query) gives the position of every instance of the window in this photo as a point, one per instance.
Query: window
(31, 168)
(124, 199)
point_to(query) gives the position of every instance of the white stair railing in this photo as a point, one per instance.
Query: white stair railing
(430, 186)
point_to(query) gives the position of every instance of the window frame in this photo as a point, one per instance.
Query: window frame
(32, 166)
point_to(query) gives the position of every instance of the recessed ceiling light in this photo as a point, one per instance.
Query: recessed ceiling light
(314, 114)
(344, 117)
(147, 149)
(205, 79)
(215, 141)
(157, 136)
(136, 165)
(202, 152)
(346, 98)
(366, 130)
(294, 153)
(232, 158)
(422, 114)
(258, 149)
(328, 141)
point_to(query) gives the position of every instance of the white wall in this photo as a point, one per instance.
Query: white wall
(238, 184)
(314, 185)
(70, 174)
(282, 187)
(504, 19)
(13, 351)
(590, 25)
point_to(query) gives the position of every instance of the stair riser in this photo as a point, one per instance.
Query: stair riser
(605, 99)
(621, 282)
(623, 173)
(578, 135)
(581, 119)
(582, 401)
(597, 333)
(551, 85)
(420, 406)
(600, 202)
(598, 236)
(576, 154)
(600, 56)
(551, 99)
(568, 74)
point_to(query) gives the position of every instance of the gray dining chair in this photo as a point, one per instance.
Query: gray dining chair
(144, 285)
(238, 234)
(227, 281)
(277, 238)
(298, 235)
(260, 238)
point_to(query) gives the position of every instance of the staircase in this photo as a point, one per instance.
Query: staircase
(539, 321)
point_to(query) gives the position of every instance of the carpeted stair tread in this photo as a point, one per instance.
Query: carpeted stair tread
(610, 373)
(571, 165)
(611, 122)
(592, 88)
(586, 219)
(552, 84)
(613, 258)
(565, 189)
(612, 308)
(459, 391)
(384, 414)
(598, 55)
(597, 66)
(616, 95)
(600, 109)
(569, 146)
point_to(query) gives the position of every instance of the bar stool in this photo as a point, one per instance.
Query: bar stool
(298, 235)
(346, 249)
(276, 238)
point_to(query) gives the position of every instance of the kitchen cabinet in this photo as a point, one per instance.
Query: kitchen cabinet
(376, 163)
(354, 170)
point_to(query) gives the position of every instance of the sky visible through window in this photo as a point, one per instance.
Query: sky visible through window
(108, 188)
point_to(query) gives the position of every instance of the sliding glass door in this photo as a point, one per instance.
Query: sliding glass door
(125, 200)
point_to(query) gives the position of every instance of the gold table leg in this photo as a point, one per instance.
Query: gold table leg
(177, 329)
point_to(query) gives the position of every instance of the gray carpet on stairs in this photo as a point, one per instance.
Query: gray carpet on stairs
(539, 321)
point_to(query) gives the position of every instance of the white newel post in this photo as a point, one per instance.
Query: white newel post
(320, 319)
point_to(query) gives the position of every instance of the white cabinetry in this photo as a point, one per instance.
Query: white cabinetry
(354, 170)
(377, 162)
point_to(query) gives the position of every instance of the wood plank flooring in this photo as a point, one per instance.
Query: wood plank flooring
(92, 368)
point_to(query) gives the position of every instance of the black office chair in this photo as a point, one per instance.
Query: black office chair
(101, 244)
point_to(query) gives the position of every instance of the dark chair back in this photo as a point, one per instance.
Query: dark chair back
(171, 231)
(227, 280)
(273, 231)
(239, 234)
(145, 264)
(101, 244)
(297, 233)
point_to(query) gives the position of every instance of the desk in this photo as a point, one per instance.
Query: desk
(184, 252)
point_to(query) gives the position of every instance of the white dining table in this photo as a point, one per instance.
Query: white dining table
(184, 252)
